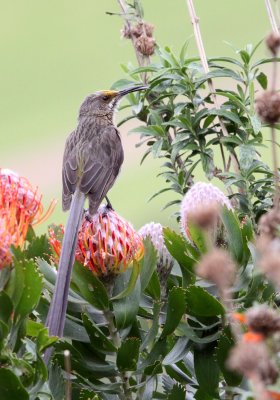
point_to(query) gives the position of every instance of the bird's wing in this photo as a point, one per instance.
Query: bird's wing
(105, 157)
(101, 155)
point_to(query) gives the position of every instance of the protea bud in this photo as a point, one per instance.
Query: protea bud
(107, 244)
(201, 205)
(165, 261)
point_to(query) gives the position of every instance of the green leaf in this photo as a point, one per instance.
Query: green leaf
(90, 287)
(128, 354)
(181, 250)
(201, 303)
(178, 351)
(44, 340)
(206, 369)
(234, 234)
(262, 79)
(152, 333)
(153, 287)
(39, 247)
(135, 270)
(11, 387)
(198, 237)
(98, 339)
(175, 309)
(56, 381)
(27, 294)
(47, 270)
(226, 114)
(156, 148)
(148, 263)
(225, 344)
(178, 392)
(6, 307)
(125, 309)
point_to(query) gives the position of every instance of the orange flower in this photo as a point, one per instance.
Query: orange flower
(273, 395)
(16, 191)
(239, 317)
(20, 206)
(253, 337)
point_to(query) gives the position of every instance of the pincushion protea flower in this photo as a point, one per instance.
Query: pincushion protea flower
(202, 198)
(107, 244)
(20, 206)
(165, 260)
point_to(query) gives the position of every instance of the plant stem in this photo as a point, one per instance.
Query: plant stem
(126, 395)
(275, 168)
(68, 384)
(204, 62)
(145, 60)
(271, 16)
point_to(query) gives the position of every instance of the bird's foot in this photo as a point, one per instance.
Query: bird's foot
(109, 204)
(87, 216)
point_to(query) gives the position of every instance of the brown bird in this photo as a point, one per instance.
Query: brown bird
(92, 160)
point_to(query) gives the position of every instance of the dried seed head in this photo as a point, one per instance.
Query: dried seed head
(273, 42)
(201, 196)
(142, 28)
(205, 216)
(165, 260)
(263, 319)
(217, 267)
(126, 32)
(268, 106)
(145, 45)
(253, 359)
(269, 262)
(269, 224)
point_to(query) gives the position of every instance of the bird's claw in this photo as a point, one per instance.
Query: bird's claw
(87, 216)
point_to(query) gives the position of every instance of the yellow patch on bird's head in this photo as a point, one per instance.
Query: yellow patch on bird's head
(110, 93)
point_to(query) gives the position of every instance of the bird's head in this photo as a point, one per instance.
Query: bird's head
(103, 103)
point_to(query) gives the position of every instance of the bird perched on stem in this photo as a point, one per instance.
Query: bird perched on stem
(92, 159)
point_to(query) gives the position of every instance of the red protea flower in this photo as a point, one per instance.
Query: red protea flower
(107, 244)
(200, 204)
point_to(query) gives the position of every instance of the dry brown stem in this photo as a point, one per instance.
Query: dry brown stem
(204, 62)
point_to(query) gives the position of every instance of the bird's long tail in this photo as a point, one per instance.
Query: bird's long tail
(57, 311)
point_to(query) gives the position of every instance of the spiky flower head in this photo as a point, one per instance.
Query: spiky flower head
(17, 192)
(20, 206)
(108, 244)
(200, 203)
(165, 262)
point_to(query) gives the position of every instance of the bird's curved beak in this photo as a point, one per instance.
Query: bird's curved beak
(130, 89)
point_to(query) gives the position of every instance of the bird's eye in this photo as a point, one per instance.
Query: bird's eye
(105, 98)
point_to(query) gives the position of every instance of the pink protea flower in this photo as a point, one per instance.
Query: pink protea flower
(202, 198)
(108, 243)
(154, 231)
(165, 260)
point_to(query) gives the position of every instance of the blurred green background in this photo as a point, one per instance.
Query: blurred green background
(55, 52)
